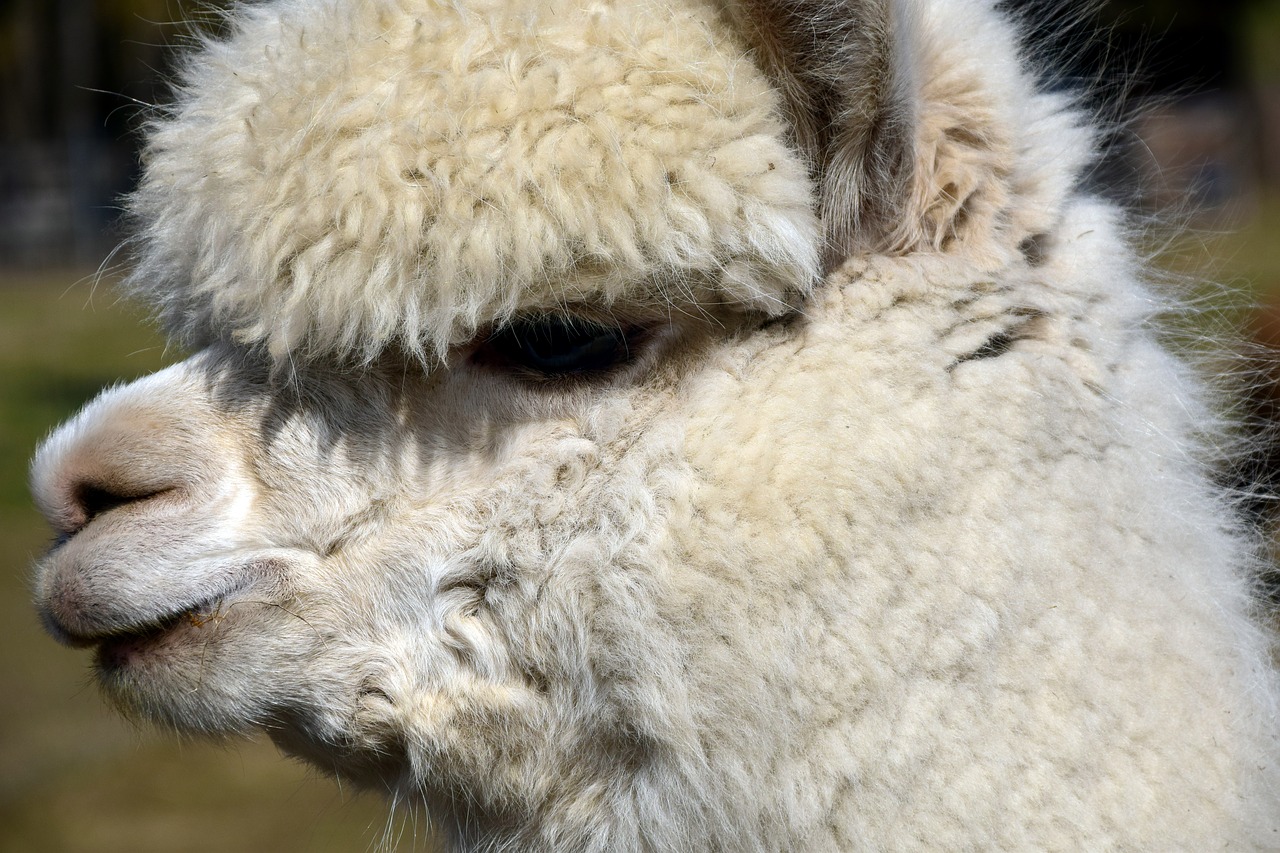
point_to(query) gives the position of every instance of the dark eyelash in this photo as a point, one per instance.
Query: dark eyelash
(556, 345)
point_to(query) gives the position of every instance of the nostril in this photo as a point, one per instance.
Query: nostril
(92, 500)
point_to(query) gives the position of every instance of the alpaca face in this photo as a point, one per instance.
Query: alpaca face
(435, 551)
(335, 555)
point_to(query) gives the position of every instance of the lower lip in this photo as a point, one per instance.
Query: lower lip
(124, 650)
(119, 652)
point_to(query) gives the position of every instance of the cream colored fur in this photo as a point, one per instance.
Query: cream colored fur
(346, 175)
(925, 555)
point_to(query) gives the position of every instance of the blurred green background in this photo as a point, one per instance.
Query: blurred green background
(77, 76)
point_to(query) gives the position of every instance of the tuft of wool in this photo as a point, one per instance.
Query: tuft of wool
(338, 178)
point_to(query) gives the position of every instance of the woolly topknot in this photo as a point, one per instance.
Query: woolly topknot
(337, 178)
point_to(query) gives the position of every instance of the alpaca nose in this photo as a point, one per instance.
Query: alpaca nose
(145, 502)
(125, 452)
(81, 476)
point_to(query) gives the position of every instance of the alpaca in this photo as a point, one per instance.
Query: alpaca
(710, 425)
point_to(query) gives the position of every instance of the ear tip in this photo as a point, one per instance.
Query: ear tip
(850, 101)
(923, 125)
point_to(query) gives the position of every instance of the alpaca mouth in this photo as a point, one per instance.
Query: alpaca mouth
(119, 648)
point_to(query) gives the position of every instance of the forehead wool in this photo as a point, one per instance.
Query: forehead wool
(337, 177)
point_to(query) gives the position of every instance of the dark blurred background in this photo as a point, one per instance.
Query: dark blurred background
(76, 76)
(1193, 90)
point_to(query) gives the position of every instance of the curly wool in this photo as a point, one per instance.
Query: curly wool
(337, 178)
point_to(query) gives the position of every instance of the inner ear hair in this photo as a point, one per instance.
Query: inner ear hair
(849, 105)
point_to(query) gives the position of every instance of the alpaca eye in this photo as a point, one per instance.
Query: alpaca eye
(560, 346)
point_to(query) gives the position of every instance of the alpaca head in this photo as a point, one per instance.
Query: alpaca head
(581, 392)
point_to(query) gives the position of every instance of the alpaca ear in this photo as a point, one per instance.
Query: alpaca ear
(849, 98)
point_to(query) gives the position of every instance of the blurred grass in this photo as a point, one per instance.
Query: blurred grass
(73, 775)
(1243, 258)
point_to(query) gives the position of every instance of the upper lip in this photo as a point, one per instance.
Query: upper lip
(149, 624)
(80, 614)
